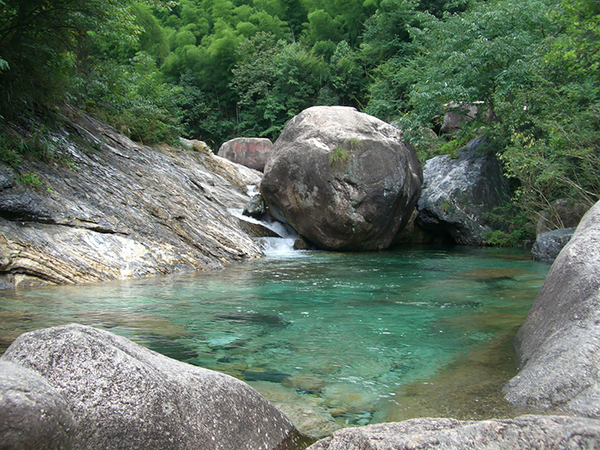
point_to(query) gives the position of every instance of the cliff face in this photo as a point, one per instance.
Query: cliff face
(108, 208)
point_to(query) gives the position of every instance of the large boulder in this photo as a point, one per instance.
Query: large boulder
(525, 432)
(33, 414)
(558, 346)
(124, 396)
(458, 193)
(548, 245)
(249, 152)
(343, 179)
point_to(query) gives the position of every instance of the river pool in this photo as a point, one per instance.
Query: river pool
(333, 339)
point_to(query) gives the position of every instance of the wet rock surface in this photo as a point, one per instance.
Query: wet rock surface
(559, 344)
(344, 180)
(108, 208)
(123, 396)
(525, 432)
(459, 192)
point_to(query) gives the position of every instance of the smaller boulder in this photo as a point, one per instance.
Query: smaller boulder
(255, 207)
(548, 245)
(459, 193)
(249, 152)
(457, 115)
(33, 414)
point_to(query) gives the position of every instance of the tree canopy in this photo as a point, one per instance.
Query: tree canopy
(217, 69)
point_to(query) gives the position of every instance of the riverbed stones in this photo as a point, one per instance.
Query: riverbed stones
(33, 414)
(124, 396)
(119, 210)
(459, 193)
(249, 152)
(558, 346)
(343, 179)
(525, 432)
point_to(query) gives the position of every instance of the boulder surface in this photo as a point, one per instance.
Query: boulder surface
(558, 346)
(459, 192)
(525, 432)
(249, 152)
(343, 179)
(548, 245)
(33, 414)
(107, 208)
(124, 396)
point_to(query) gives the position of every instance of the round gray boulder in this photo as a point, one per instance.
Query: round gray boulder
(33, 415)
(343, 179)
(124, 396)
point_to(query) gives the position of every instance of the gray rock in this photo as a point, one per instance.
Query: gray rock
(456, 116)
(343, 179)
(33, 414)
(548, 245)
(249, 152)
(125, 211)
(458, 193)
(7, 177)
(255, 207)
(525, 432)
(124, 396)
(558, 346)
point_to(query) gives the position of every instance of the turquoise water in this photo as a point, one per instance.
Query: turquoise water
(333, 339)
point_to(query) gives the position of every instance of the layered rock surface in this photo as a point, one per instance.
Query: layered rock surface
(344, 180)
(108, 208)
(459, 192)
(559, 344)
(123, 396)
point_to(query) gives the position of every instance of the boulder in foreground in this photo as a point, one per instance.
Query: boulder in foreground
(525, 432)
(33, 414)
(124, 396)
(559, 344)
(343, 179)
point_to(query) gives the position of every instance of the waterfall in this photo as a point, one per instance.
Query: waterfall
(278, 247)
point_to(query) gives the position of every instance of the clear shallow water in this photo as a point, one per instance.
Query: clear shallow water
(333, 339)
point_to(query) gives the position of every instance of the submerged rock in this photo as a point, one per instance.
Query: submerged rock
(33, 414)
(343, 179)
(249, 152)
(458, 193)
(120, 210)
(123, 396)
(559, 344)
(525, 432)
(549, 244)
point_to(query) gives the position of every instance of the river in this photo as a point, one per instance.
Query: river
(333, 339)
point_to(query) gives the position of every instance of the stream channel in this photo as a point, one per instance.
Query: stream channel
(333, 339)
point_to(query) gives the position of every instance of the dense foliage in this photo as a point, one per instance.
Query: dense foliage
(216, 69)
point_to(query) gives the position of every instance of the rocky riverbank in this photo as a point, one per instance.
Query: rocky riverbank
(106, 208)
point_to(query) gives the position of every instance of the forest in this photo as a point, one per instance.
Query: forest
(217, 69)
